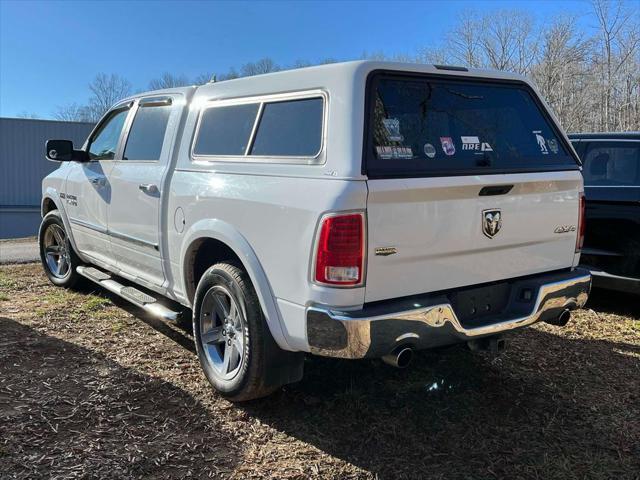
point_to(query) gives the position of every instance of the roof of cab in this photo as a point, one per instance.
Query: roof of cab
(347, 71)
(332, 73)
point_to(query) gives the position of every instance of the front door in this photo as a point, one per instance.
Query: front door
(88, 193)
(136, 182)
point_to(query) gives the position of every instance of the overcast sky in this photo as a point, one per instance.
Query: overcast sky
(50, 51)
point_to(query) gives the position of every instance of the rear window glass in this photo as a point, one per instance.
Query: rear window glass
(226, 130)
(147, 133)
(432, 126)
(292, 128)
(612, 164)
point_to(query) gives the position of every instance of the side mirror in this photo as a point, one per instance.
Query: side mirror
(62, 151)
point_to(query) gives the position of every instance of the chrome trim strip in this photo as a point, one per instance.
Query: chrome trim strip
(571, 293)
(129, 238)
(90, 226)
(117, 235)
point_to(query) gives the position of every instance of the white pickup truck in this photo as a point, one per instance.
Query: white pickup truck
(362, 209)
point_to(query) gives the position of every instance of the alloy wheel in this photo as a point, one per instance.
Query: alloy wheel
(222, 332)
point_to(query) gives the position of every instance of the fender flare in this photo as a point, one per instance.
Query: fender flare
(224, 232)
(52, 194)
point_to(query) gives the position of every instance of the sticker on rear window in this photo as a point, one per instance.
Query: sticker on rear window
(387, 153)
(473, 143)
(447, 145)
(541, 142)
(553, 145)
(392, 126)
(429, 150)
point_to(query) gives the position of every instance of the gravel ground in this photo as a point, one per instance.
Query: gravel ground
(92, 388)
(21, 250)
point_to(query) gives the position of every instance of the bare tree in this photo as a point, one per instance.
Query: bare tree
(264, 65)
(618, 42)
(73, 113)
(105, 91)
(591, 80)
(229, 75)
(168, 80)
(464, 43)
(560, 71)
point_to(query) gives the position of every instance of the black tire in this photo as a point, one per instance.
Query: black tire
(259, 353)
(52, 222)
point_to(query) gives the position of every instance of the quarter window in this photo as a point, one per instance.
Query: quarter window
(146, 135)
(286, 128)
(290, 129)
(226, 130)
(104, 141)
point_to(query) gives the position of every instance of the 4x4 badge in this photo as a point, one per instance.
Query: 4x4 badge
(491, 222)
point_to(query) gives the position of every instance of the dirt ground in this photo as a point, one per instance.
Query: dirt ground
(92, 388)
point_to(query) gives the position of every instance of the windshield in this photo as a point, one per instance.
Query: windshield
(434, 126)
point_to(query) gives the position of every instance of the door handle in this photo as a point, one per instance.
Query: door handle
(149, 188)
(495, 190)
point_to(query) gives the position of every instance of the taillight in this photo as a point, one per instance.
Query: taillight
(340, 250)
(581, 223)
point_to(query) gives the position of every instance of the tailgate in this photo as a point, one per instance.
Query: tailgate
(470, 181)
(443, 238)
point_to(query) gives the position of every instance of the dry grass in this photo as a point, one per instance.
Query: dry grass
(91, 389)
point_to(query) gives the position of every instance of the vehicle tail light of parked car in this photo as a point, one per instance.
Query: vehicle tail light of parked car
(340, 250)
(581, 223)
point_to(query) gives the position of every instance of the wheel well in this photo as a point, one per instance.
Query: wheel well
(47, 206)
(202, 254)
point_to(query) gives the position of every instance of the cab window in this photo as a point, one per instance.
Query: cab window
(104, 141)
(147, 132)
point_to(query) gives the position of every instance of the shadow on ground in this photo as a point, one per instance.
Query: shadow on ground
(554, 408)
(70, 412)
(561, 403)
(618, 303)
(551, 407)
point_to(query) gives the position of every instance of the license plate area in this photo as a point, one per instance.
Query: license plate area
(474, 306)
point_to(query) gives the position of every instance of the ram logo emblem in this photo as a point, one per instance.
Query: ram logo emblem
(491, 222)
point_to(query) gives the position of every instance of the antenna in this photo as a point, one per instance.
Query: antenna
(213, 78)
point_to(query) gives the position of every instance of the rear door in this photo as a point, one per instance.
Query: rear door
(136, 181)
(469, 182)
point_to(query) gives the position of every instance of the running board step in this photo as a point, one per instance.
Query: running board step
(131, 294)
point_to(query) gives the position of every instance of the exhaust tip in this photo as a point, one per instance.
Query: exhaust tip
(562, 319)
(399, 358)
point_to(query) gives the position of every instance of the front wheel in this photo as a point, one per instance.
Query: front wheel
(56, 253)
(234, 344)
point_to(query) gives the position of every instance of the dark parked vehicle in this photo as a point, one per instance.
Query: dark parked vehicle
(612, 189)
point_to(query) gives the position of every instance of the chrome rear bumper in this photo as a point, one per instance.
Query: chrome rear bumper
(378, 329)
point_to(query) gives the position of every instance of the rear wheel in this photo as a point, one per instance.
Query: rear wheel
(234, 344)
(58, 257)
